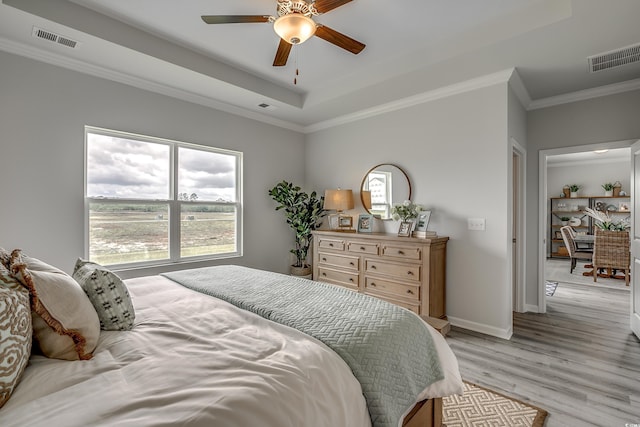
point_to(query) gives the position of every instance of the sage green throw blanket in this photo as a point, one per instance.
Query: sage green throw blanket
(388, 348)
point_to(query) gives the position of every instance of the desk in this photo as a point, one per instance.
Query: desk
(584, 238)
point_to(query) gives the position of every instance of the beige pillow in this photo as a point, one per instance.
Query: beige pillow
(15, 332)
(65, 324)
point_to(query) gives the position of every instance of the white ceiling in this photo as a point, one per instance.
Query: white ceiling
(413, 47)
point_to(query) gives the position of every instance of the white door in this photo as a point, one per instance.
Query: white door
(635, 238)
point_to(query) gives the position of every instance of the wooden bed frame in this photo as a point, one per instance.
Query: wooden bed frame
(427, 413)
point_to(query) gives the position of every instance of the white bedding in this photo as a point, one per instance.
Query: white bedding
(193, 360)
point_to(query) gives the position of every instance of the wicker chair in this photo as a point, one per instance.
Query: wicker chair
(612, 251)
(574, 253)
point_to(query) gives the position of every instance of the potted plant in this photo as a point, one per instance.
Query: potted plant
(564, 220)
(573, 189)
(608, 189)
(304, 214)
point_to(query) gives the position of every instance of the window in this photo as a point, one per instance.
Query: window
(152, 201)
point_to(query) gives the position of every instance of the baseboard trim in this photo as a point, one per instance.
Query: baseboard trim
(530, 308)
(481, 327)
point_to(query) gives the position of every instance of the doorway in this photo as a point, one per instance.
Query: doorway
(562, 157)
(518, 221)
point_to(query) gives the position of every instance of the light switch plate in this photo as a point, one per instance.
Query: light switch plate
(476, 224)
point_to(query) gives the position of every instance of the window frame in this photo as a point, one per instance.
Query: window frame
(174, 204)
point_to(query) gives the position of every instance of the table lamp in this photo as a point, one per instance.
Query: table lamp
(339, 201)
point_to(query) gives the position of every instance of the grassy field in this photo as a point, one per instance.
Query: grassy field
(122, 236)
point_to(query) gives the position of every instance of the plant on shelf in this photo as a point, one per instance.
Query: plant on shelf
(304, 214)
(607, 186)
(565, 220)
(406, 211)
(574, 188)
(605, 222)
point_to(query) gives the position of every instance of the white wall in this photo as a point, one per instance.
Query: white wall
(43, 111)
(455, 153)
(590, 176)
(597, 120)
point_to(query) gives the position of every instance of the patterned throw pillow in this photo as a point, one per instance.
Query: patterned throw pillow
(15, 332)
(65, 324)
(107, 293)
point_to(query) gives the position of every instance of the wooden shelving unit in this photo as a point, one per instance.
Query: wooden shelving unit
(573, 207)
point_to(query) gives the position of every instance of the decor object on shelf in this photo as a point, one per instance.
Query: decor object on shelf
(423, 220)
(304, 214)
(566, 191)
(608, 189)
(339, 200)
(365, 223)
(575, 221)
(616, 189)
(573, 189)
(605, 222)
(406, 213)
(564, 220)
(405, 229)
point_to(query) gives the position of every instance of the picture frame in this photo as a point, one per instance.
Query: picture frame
(422, 222)
(623, 207)
(558, 235)
(345, 221)
(365, 223)
(405, 229)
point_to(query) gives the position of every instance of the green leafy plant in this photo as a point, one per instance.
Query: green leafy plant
(607, 186)
(564, 218)
(405, 211)
(574, 187)
(605, 222)
(304, 214)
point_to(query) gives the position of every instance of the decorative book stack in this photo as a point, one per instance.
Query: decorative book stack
(424, 234)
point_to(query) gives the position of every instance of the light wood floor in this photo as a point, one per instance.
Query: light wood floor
(579, 361)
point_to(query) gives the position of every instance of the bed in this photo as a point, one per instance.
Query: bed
(194, 359)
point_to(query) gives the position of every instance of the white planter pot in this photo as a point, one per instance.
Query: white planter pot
(608, 193)
(563, 223)
(574, 194)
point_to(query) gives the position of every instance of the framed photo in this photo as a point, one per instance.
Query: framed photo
(558, 235)
(623, 207)
(423, 221)
(365, 223)
(345, 221)
(405, 229)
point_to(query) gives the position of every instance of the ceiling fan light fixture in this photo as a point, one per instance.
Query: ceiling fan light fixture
(294, 28)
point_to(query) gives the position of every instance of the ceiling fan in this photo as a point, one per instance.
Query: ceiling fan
(294, 25)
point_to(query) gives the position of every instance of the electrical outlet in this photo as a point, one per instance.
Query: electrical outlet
(476, 224)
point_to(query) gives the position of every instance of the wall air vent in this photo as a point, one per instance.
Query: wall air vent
(39, 33)
(614, 58)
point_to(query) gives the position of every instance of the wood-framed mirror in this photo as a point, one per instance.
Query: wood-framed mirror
(383, 186)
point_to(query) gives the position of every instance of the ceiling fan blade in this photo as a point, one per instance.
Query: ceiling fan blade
(324, 6)
(282, 54)
(234, 19)
(339, 39)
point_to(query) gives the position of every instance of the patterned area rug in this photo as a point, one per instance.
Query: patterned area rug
(482, 407)
(550, 288)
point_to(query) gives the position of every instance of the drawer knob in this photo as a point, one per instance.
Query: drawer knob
(351, 263)
(351, 279)
(324, 274)
(331, 244)
(324, 259)
(410, 273)
(409, 291)
(373, 267)
(362, 248)
(373, 284)
(401, 252)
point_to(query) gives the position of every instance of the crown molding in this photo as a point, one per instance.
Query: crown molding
(422, 98)
(52, 58)
(583, 95)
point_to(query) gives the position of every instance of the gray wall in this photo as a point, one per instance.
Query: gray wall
(455, 151)
(43, 111)
(603, 119)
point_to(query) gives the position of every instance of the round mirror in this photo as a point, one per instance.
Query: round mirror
(382, 187)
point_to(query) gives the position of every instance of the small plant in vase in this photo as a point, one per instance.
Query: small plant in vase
(406, 212)
(564, 220)
(608, 189)
(573, 189)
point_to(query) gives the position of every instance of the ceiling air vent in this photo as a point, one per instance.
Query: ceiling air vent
(267, 106)
(39, 33)
(614, 58)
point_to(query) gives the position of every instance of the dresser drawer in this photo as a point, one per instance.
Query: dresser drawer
(333, 244)
(415, 307)
(402, 252)
(337, 260)
(369, 248)
(401, 271)
(344, 278)
(394, 289)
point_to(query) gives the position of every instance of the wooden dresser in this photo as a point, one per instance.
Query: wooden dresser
(406, 271)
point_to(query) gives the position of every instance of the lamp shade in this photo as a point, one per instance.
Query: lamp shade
(339, 200)
(294, 28)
